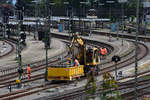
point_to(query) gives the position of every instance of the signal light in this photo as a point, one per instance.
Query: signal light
(22, 37)
(116, 59)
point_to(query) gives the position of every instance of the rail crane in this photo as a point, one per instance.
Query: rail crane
(88, 59)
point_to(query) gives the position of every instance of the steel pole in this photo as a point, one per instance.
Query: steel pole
(19, 47)
(117, 31)
(116, 71)
(50, 20)
(79, 20)
(145, 30)
(69, 24)
(145, 23)
(110, 22)
(4, 30)
(136, 50)
(46, 71)
(90, 27)
(36, 15)
(122, 6)
(46, 40)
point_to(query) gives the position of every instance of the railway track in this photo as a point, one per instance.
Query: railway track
(36, 77)
(126, 89)
(37, 64)
(43, 76)
(127, 36)
(111, 69)
(128, 61)
(142, 52)
(10, 78)
(29, 91)
(12, 44)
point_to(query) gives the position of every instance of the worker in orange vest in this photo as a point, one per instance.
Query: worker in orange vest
(105, 50)
(76, 62)
(29, 72)
(102, 53)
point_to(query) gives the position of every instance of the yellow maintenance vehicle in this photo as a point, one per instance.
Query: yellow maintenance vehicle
(87, 57)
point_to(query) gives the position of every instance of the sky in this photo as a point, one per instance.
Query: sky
(14, 2)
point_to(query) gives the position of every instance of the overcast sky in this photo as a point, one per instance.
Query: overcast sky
(14, 1)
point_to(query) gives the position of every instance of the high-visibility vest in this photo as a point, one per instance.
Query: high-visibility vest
(105, 50)
(76, 62)
(28, 70)
(102, 51)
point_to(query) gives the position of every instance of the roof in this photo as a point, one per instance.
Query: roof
(6, 6)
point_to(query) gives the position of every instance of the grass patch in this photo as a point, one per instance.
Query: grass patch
(148, 26)
(141, 68)
(146, 77)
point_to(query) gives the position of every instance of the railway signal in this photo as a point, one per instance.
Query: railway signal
(22, 38)
(20, 9)
(116, 59)
(20, 72)
(9, 87)
(47, 33)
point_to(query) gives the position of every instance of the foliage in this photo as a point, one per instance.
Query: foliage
(2, 1)
(113, 19)
(74, 3)
(28, 1)
(132, 18)
(110, 89)
(132, 4)
(91, 84)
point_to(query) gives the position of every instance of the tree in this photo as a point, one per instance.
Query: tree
(110, 89)
(3, 1)
(132, 4)
(90, 87)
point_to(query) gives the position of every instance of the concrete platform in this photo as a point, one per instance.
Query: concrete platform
(33, 52)
(120, 32)
(5, 48)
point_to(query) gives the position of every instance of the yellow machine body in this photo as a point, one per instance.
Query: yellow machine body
(61, 73)
(64, 72)
(94, 58)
